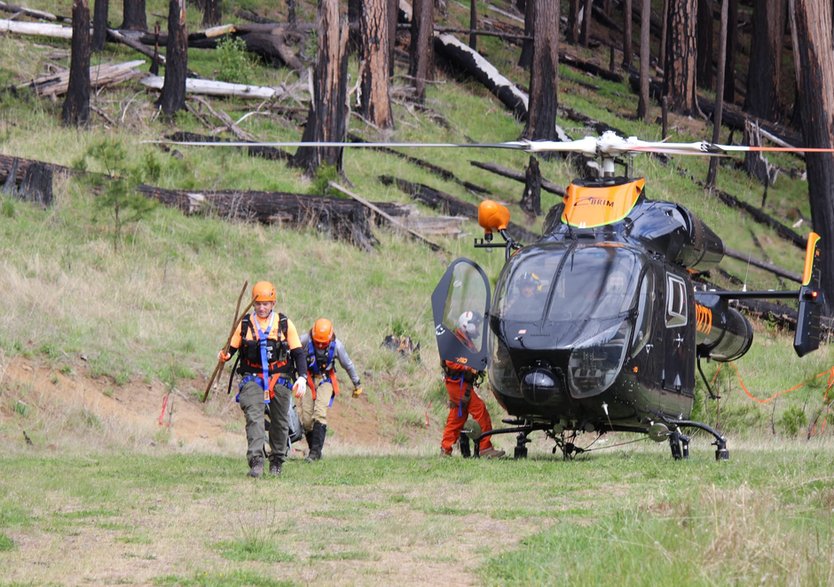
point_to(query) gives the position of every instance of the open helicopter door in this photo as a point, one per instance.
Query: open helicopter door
(459, 306)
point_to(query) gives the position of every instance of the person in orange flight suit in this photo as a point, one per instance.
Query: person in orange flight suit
(270, 356)
(463, 399)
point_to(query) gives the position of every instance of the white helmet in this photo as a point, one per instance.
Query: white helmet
(469, 323)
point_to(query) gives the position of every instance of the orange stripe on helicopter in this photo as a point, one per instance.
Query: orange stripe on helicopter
(703, 319)
(587, 207)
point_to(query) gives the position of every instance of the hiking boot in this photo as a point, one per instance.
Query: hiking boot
(256, 467)
(275, 467)
(492, 453)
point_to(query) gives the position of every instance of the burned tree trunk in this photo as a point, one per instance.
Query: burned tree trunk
(176, 66)
(704, 27)
(531, 198)
(815, 61)
(327, 119)
(732, 47)
(134, 15)
(627, 35)
(375, 100)
(76, 109)
(763, 77)
(212, 14)
(645, 59)
(525, 59)
(421, 62)
(544, 74)
(100, 9)
(679, 76)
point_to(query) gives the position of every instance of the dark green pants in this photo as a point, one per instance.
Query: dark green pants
(252, 403)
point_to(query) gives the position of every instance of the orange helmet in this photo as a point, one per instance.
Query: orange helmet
(322, 332)
(263, 291)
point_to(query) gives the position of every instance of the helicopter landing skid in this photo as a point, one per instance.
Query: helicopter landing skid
(680, 442)
(522, 431)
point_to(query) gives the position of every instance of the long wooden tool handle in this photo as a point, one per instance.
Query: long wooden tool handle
(238, 315)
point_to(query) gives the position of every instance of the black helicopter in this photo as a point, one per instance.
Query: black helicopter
(598, 325)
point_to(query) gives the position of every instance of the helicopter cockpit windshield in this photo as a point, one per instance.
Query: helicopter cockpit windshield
(574, 301)
(556, 283)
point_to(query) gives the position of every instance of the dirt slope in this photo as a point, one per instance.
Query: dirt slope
(138, 414)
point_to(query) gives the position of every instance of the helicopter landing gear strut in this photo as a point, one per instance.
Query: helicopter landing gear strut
(721, 452)
(679, 443)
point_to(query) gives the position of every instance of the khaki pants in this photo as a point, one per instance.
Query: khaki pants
(315, 411)
(252, 403)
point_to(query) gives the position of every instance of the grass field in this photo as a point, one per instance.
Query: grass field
(630, 515)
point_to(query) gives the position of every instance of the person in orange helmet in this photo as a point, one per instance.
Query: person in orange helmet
(464, 401)
(323, 349)
(270, 355)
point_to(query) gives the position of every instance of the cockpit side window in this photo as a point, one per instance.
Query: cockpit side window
(645, 302)
(676, 301)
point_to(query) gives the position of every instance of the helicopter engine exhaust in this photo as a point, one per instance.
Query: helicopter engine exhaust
(723, 334)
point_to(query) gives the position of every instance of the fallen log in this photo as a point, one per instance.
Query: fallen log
(102, 75)
(422, 163)
(14, 169)
(374, 208)
(518, 176)
(270, 153)
(37, 29)
(216, 88)
(341, 219)
(769, 267)
(463, 57)
(448, 204)
(5, 7)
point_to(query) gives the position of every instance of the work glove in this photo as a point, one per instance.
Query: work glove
(357, 391)
(223, 356)
(299, 388)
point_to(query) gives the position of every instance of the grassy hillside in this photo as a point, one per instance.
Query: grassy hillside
(158, 306)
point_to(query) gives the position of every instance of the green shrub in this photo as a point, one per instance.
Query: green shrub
(792, 420)
(234, 64)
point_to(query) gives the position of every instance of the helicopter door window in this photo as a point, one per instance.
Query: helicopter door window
(675, 301)
(644, 304)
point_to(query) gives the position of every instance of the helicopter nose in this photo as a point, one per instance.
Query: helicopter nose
(540, 385)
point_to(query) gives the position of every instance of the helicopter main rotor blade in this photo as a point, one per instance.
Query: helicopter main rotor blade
(517, 145)
(609, 144)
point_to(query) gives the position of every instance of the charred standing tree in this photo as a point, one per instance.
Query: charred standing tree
(393, 12)
(587, 13)
(134, 15)
(327, 118)
(732, 47)
(627, 35)
(763, 77)
(76, 109)
(421, 62)
(705, 45)
(354, 13)
(100, 10)
(375, 99)
(525, 58)
(815, 59)
(212, 14)
(679, 73)
(544, 73)
(574, 20)
(645, 59)
(176, 60)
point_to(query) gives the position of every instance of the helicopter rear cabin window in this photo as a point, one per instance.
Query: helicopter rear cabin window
(675, 301)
